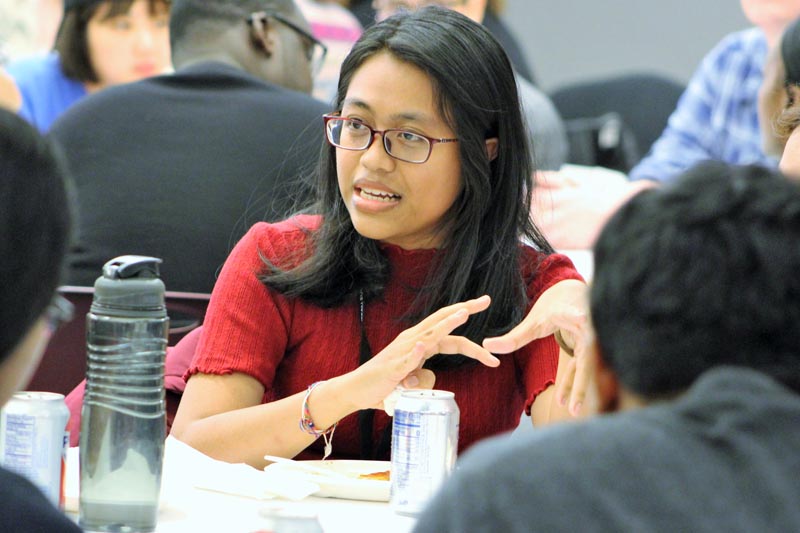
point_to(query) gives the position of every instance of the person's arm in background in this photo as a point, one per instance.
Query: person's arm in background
(716, 118)
(712, 119)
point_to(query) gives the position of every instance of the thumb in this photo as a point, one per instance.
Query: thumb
(421, 378)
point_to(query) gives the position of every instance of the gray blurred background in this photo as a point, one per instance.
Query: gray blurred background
(568, 41)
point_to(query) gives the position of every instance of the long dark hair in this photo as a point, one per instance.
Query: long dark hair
(477, 97)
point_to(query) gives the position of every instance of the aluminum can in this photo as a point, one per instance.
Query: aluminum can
(424, 447)
(34, 440)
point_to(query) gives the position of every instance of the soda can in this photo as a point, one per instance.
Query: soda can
(424, 447)
(34, 440)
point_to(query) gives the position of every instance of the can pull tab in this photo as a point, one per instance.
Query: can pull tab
(131, 266)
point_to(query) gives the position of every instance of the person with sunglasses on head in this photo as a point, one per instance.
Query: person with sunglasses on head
(100, 43)
(417, 260)
(34, 229)
(179, 166)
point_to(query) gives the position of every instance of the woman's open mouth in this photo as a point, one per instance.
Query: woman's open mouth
(377, 195)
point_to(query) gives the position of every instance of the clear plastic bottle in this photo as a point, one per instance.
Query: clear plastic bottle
(123, 420)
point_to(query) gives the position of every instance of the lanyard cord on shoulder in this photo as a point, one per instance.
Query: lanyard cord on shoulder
(366, 417)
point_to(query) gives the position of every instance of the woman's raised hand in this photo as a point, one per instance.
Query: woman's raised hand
(564, 307)
(400, 363)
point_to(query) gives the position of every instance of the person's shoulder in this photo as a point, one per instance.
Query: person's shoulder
(278, 239)
(23, 508)
(750, 42)
(537, 264)
(35, 67)
(552, 446)
(124, 98)
(221, 77)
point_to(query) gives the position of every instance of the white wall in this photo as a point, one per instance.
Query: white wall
(571, 40)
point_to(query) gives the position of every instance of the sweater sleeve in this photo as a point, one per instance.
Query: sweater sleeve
(538, 361)
(246, 326)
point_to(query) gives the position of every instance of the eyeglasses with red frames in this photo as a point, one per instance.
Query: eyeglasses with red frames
(352, 134)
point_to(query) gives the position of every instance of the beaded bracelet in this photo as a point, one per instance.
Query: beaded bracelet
(307, 424)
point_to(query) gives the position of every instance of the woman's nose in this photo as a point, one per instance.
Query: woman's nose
(375, 157)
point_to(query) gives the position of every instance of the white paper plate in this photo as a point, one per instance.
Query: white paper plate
(352, 488)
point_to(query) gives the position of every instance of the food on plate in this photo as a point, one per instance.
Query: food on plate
(379, 476)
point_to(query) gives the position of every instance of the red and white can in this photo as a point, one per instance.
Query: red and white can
(424, 447)
(34, 440)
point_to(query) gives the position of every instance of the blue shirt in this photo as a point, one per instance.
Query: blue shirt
(717, 116)
(46, 91)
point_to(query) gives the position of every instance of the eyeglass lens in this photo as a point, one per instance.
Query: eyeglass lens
(400, 144)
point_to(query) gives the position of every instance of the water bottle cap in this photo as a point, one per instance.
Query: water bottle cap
(130, 287)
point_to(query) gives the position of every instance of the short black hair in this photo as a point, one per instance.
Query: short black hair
(71, 43)
(34, 227)
(198, 18)
(701, 273)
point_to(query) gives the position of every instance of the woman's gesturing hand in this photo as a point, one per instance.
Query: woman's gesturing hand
(400, 363)
(563, 307)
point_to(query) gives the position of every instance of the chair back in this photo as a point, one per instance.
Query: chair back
(637, 105)
(63, 365)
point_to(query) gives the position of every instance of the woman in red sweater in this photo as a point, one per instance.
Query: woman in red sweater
(420, 247)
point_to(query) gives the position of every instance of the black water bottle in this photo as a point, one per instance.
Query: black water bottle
(123, 423)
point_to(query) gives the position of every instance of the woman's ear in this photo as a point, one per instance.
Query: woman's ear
(491, 148)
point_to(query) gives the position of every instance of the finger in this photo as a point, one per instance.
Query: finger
(434, 334)
(572, 320)
(584, 370)
(523, 333)
(454, 344)
(564, 385)
(476, 305)
(422, 378)
(416, 358)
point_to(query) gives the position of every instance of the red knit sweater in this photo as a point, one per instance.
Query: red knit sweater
(287, 344)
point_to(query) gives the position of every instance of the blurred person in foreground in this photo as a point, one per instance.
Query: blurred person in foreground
(695, 303)
(179, 166)
(34, 228)
(716, 119)
(99, 43)
(417, 260)
(548, 136)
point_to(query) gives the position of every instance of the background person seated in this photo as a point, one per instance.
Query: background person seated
(34, 227)
(716, 118)
(696, 306)
(179, 166)
(100, 43)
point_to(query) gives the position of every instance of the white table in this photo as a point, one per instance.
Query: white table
(187, 509)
